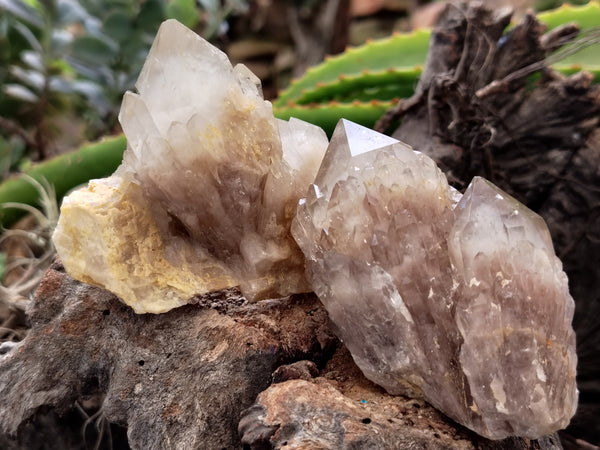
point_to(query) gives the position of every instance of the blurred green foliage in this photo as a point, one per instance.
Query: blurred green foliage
(75, 59)
(544, 5)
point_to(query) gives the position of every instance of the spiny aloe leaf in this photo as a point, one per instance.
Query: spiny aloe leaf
(387, 92)
(399, 51)
(63, 172)
(348, 88)
(327, 115)
(362, 72)
(587, 17)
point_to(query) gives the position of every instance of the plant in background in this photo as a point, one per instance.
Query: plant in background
(69, 58)
(543, 5)
(75, 59)
(35, 250)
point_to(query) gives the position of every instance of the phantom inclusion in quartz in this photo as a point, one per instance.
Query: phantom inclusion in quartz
(206, 192)
(460, 300)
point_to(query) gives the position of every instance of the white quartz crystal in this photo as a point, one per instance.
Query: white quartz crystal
(207, 189)
(458, 300)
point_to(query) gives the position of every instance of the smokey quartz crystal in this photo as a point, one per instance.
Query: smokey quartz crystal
(457, 299)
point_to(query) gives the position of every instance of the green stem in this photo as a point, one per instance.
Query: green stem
(65, 172)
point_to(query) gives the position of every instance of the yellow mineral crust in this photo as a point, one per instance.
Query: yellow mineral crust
(108, 231)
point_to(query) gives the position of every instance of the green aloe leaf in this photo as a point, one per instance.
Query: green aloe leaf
(374, 69)
(587, 17)
(327, 115)
(383, 85)
(400, 52)
(64, 172)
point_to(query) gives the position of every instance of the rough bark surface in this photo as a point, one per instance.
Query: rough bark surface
(176, 380)
(488, 104)
(341, 409)
(182, 379)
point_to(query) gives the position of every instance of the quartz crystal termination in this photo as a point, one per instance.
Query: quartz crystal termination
(460, 300)
(206, 192)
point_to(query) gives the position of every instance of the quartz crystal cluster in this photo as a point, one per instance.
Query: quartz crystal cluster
(457, 299)
(206, 192)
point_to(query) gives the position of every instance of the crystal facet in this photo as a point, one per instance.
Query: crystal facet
(207, 189)
(458, 300)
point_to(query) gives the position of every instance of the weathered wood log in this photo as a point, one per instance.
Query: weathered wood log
(182, 379)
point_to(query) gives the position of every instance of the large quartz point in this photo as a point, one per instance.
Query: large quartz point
(461, 301)
(207, 190)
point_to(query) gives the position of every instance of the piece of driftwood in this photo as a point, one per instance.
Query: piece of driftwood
(178, 379)
(182, 379)
(488, 104)
(341, 409)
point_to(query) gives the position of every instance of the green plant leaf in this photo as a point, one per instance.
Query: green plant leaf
(23, 11)
(60, 84)
(400, 52)
(64, 172)
(31, 78)
(70, 11)
(33, 60)
(185, 11)
(5, 156)
(11, 152)
(327, 115)
(95, 95)
(28, 36)
(61, 41)
(118, 26)
(126, 6)
(7, 151)
(89, 70)
(134, 52)
(95, 49)
(20, 93)
(152, 13)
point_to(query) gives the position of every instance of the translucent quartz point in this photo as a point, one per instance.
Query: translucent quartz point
(514, 314)
(207, 189)
(458, 300)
